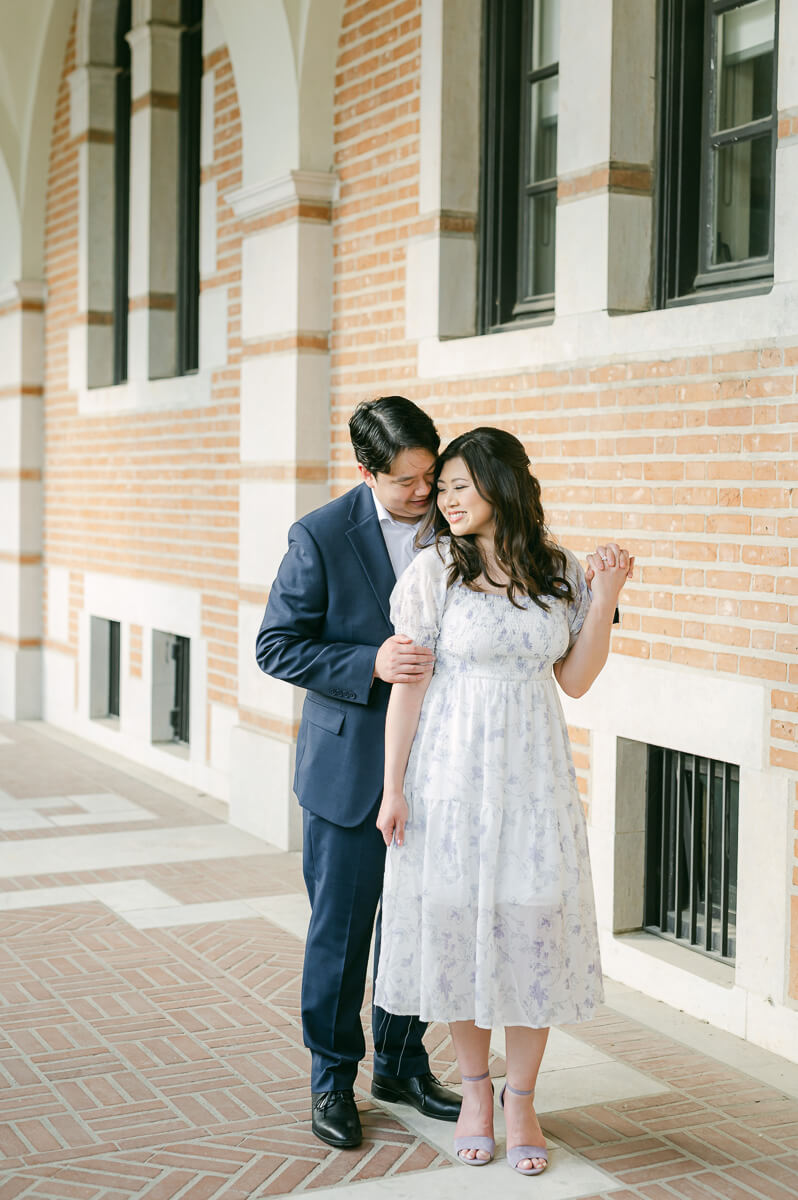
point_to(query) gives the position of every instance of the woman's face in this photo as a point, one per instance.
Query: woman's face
(468, 513)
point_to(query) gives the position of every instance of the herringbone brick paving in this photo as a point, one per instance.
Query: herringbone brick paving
(168, 1062)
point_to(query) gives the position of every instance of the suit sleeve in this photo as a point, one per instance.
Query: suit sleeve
(289, 645)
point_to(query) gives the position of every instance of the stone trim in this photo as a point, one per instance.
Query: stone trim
(261, 199)
(275, 726)
(631, 179)
(166, 100)
(160, 301)
(286, 472)
(295, 341)
(787, 124)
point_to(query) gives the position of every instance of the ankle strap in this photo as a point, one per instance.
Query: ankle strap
(474, 1078)
(516, 1092)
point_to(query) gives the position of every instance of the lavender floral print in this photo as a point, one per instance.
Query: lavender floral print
(487, 909)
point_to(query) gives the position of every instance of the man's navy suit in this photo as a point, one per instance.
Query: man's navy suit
(326, 617)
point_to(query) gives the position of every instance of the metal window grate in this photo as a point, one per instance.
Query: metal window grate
(179, 716)
(691, 851)
(114, 654)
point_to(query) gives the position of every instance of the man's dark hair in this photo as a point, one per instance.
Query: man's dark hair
(380, 428)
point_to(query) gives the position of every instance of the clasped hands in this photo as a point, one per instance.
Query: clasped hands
(608, 569)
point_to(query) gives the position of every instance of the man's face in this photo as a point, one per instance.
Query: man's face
(405, 489)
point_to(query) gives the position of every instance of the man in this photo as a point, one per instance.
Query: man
(327, 628)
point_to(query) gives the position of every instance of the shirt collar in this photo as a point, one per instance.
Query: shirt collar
(385, 517)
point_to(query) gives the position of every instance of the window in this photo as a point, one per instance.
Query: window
(180, 710)
(691, 850)
(718, 143)
(519, 183)
(121, 192)
(104, 662)
(114, 654)
(189, 188)
(171, 680)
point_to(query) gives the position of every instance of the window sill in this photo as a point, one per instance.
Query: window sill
(691, 961)
(596, 337)
(107, 723)
(147, 395)
(176, 749)
(533, 321)
(755, 287)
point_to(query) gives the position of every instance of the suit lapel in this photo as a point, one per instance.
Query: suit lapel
(368, 544)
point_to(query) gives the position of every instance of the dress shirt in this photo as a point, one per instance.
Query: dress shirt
(399, 537)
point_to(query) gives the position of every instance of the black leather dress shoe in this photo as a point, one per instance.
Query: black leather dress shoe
(424, 1092)
(336, 1120)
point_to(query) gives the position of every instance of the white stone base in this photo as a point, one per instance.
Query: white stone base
(20, 683)
(696, 986)
(261, 797)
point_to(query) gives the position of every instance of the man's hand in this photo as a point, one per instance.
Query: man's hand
(399, 660)
(392, 817)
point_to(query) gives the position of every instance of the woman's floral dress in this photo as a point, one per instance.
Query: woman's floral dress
(487, 909)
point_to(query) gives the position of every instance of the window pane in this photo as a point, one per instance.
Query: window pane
(741, 202)
(745, 57)
(545, 33)
(541, 216)
(543, 130)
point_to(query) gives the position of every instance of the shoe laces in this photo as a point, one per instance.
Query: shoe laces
(330, 1098)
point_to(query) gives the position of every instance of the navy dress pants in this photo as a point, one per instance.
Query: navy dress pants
(343, 871)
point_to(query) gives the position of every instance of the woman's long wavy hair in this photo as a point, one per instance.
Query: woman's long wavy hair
(499, 467)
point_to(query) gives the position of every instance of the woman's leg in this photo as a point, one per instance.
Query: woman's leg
(524, 1054)
(472, 1047)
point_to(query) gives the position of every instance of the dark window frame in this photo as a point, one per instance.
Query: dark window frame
(507, 78)
(180, 715)
(679, 870)
(114, 665)
(687, 69)
(121, 192)
(190, 105)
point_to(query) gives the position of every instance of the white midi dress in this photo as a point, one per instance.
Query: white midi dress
(487, 909)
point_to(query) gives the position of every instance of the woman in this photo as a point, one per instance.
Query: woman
(488, 913)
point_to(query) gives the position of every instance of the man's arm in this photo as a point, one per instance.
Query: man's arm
(288, 644)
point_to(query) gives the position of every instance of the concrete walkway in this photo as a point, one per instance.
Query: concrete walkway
(150, 1043)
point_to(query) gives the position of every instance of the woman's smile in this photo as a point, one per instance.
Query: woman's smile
(466, 510)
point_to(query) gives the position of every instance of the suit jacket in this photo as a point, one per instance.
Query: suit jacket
(326, 617)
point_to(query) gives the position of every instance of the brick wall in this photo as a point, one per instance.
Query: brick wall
(691, 461)
(150, 495)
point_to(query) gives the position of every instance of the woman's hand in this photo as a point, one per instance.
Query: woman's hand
(392, 817)
(608, 570)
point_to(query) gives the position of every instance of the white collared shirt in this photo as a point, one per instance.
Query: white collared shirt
(399, 537)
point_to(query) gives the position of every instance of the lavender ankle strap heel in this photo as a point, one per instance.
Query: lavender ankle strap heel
(475, 1141)
(517, 1154)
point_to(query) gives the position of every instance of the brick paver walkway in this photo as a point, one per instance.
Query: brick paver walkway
(150, 1043)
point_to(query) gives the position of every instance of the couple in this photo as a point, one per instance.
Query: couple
(487, 913)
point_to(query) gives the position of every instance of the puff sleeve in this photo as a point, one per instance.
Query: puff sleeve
(578, 606)
(418, 600)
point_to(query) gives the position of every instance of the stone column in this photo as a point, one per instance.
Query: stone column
(155, 87)
(21, 391)
(92, 126)
(442, 258)
(286, 312)
(605, 155)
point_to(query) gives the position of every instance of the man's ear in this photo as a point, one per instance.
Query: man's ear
(366, 475)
